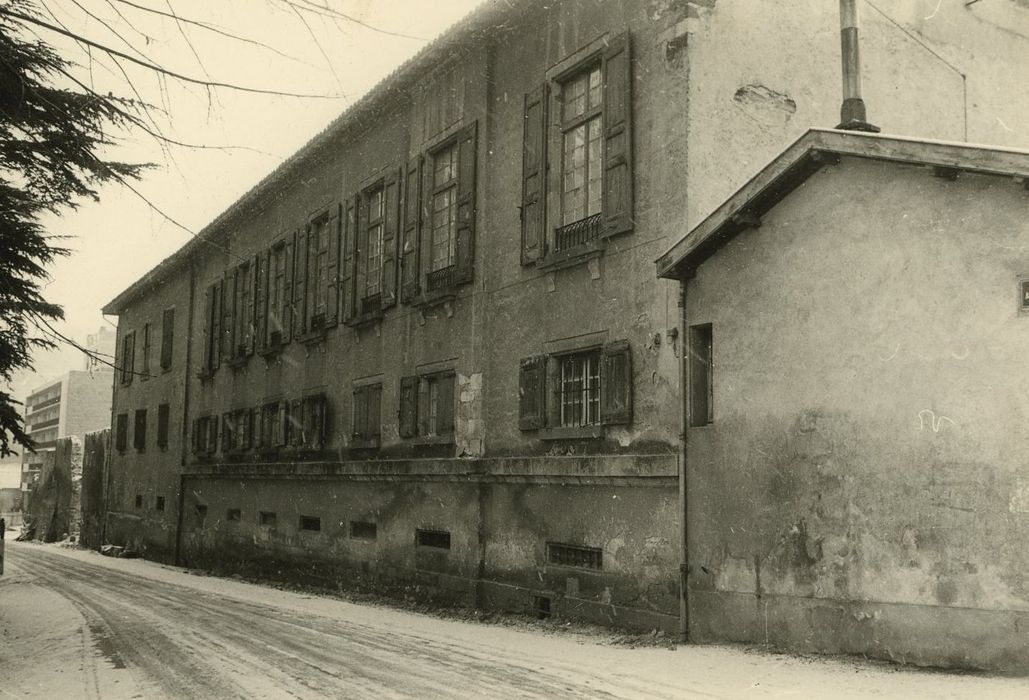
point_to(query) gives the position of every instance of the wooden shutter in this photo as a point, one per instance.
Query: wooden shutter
(205, 365)
(466, 163)
(534, 175)
(360, 247)
(227, 432)
(409, 286)
(300, 281)
(616, 384)
(390, 238)
(129, 358)
(359, 414)
(701, 374)
(617, 204)
(408, 418)
(261, 265)
(332, 278)
(348, 291)
(286, 314)
(532, 393)
(121, 437)
(423, 406)
(284, 425)
(296, 423)
(375, 411)
(167, 337)
(445, 409)
(196, 435)
(228, 341)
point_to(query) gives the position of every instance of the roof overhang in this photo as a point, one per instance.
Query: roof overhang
(806, 156)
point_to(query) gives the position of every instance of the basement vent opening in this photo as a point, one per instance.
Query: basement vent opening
(267, 518)
(575, 555)
(541, 605)
(139, 501)
(363, 530)
(440, 539)
(160, 503)
(310, 523)
(234, 515)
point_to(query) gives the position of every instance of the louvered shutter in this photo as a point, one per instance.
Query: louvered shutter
(375, 411)
(445, 409)
(534, 163)
(300, 280)
(167, 337)
(423, 407)
(347, 291)
(408, 418)
(359, 414)
(296, 423)
(409, 285)
(227, 432)
(261, 263)
(617, 205)
(286, 314)
(531, 393)
(205, 365)
(216, 325)
(251, 311)
(390, 238)
(466, 164)
(228, 342)
(616, 384)
(332, 293)
(360, 248)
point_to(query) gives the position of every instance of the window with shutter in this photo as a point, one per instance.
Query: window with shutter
(212, 434)
(616, 384)
(451, 204)
(590, 147)
(366, 416)
(228, 432)
(228, 327)
(287, 312)
(534, 159)
(167, 338)
(409, 247)
(121, 432)
(348, 291)
(301, 249)
(408, 419)
(332, 276)
(145, 372)
(163, 413)
(128, 357)
(390, 238)
(531, 394)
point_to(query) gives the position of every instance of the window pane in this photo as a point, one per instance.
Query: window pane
(444, 229)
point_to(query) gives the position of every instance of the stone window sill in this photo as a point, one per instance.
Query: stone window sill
(578, 255)
(447, 439)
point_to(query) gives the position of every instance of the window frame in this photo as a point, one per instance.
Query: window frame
(412, 412)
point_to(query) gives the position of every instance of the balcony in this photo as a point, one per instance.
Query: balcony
(441, 279)
(577, 233)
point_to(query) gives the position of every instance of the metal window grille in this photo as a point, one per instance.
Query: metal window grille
(579, 389)
(575, 555)
(310, 523)
(440, 279)
(363, 530)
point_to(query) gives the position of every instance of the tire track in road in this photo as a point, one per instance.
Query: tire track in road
(191, 643)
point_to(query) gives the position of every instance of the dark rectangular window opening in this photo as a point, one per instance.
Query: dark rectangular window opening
(234, 515)
(267, 518)
(701, 378)
(139, 501)
(160, 503)
(139, 429)
(201, 510)
(163, 413)
(310, 523)
(363, 530)
(541, 605)
(575, 555)
(440, 539)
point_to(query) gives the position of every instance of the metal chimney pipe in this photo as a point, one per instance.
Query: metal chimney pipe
(852, 112)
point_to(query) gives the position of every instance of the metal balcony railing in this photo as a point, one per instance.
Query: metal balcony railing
(577, 233)
(371, 304)
(440, 279)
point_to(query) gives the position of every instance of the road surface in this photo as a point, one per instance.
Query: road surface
(74, 624)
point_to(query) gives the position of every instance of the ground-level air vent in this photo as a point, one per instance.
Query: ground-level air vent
(575, 555)
(439, 539)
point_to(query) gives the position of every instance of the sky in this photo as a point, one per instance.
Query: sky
(245, 136)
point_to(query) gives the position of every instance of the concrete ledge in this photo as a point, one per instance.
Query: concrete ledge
(641, 469)
(923, 635)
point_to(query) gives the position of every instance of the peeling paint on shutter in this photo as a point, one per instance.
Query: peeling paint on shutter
(409, 247)
(616, 384)
(617, 205)
(532, 393)
(408, 418)
(390, 238)
(466, 164)
(332, 293)
(534, 175)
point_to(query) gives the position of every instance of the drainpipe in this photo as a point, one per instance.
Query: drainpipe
(684, 563)
(852, 111)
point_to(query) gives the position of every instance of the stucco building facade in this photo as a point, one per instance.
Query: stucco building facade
(429, 353)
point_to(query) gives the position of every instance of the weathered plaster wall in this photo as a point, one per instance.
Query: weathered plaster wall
(869, 396)
(151, 472)
(782, 77)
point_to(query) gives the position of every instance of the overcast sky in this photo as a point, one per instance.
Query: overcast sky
(119, 238)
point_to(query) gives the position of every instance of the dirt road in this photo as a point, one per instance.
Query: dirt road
(73, 624)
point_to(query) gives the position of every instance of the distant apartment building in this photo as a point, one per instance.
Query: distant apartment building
(74, 404)
(101, 348)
